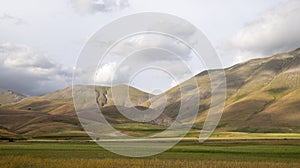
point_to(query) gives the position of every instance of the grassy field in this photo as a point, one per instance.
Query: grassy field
(214, 153)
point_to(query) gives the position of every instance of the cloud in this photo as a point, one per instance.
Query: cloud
(148, 78)
(93, 6)
(29, 71)
(145, 41)
(139, 52)
(15, 20)
(114, 73)
(277, 30)
(143, 51)
(104, 75)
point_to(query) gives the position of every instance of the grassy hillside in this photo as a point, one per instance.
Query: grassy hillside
(263, 96)
(7, 97)
(53, 115)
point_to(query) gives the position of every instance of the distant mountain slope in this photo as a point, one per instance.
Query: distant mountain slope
(9, 96)
(53, 114)
(103, 94)
(263, 95)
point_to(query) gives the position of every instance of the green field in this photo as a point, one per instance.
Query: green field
(213, 153)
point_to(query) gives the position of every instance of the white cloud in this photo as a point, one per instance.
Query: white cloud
(159, 41)
(13, 19)
(105, 73)
(30, 71)
(277, 30)
(142, 52)
(22, 56)
(93, 6)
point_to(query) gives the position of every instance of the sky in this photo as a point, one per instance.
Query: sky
(41, 40)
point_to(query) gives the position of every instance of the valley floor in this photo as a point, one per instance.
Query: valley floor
(275, 153)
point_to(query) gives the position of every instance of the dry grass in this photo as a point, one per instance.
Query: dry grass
(26, 161)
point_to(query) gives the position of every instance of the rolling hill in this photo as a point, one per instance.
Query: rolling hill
(9, 96)
(263, 95)
(53, 115)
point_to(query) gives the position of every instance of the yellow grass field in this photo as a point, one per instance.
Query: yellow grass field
(25, 161)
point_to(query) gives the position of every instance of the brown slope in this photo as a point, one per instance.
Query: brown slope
(262, 95)
(103, 94)
(267, 95)
(7, 97)
(28, 123)
(53, 114)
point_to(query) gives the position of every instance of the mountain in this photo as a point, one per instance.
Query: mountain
(53, 115)
(103, 94)
(263, 95)
(9, 96)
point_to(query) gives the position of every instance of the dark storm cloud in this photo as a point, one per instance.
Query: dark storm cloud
(29, 71)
